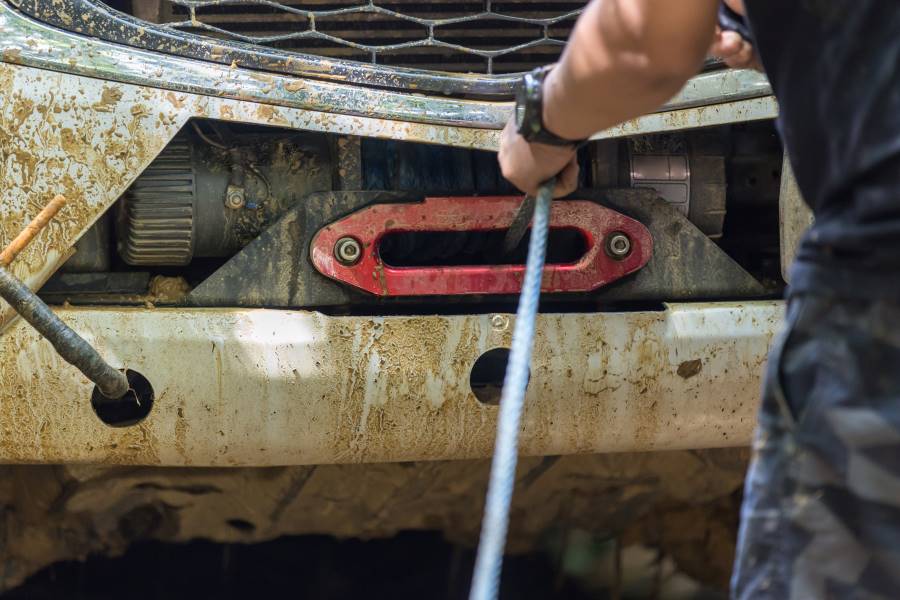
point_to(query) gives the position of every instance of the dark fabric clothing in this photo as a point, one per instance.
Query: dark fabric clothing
(835, 68)
(821, 513)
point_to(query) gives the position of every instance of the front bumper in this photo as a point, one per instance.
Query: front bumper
(270, 387)
(266, 387)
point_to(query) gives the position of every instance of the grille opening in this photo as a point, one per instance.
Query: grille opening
(561, 29)
(537, 9)
(488, 34)
(359, 31)
(327, 48)
(434, 10)
(372, 29)
(565, 245)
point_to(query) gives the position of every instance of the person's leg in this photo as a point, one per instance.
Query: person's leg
(821, 514)
(761, 566)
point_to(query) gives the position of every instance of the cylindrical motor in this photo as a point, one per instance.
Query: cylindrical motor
(199, 200)
(688, 172)
(176, 211)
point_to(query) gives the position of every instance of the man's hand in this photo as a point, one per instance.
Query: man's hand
(731, 46)
(737, 52)
(624, 59)
(527, 166)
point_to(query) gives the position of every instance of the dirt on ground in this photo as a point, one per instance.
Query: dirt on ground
(683, 503)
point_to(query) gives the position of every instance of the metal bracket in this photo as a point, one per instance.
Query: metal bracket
(276, 270)
(370, 225)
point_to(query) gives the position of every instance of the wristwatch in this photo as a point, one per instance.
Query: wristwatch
(529, 111)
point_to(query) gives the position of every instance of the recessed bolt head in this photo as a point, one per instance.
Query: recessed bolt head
(500, 322)
(234, 197)
(618, 245)
(347, 251)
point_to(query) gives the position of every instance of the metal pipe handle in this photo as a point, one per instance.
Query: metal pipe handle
(111, 382)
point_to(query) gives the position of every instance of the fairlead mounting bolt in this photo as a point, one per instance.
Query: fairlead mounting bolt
(618, 245)
(347, 251)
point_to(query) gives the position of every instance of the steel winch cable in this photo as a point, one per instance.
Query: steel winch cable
(489, 561)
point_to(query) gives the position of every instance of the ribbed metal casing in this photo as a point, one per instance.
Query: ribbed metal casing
(156, 222)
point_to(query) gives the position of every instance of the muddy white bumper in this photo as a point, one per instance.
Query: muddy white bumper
(265, 387)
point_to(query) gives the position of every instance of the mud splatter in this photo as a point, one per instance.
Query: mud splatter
(689, 368)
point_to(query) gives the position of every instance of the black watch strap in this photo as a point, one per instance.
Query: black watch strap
(530, 108)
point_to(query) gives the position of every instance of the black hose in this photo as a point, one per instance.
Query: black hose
(111, 382)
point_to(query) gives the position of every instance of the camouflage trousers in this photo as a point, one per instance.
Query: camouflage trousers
(821, 513)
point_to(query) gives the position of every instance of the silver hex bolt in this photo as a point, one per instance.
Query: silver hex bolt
(618, 245)
(347, 251)
(234, 197)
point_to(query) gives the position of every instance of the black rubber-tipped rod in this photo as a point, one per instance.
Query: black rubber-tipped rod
(111, 382)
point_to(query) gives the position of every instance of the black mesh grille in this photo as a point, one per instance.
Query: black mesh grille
(480, 37)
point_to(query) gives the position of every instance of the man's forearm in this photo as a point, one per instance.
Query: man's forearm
(625, 58)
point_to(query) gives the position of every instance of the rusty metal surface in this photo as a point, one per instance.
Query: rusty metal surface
(27, 42)
(266, 387)
(27, 235)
